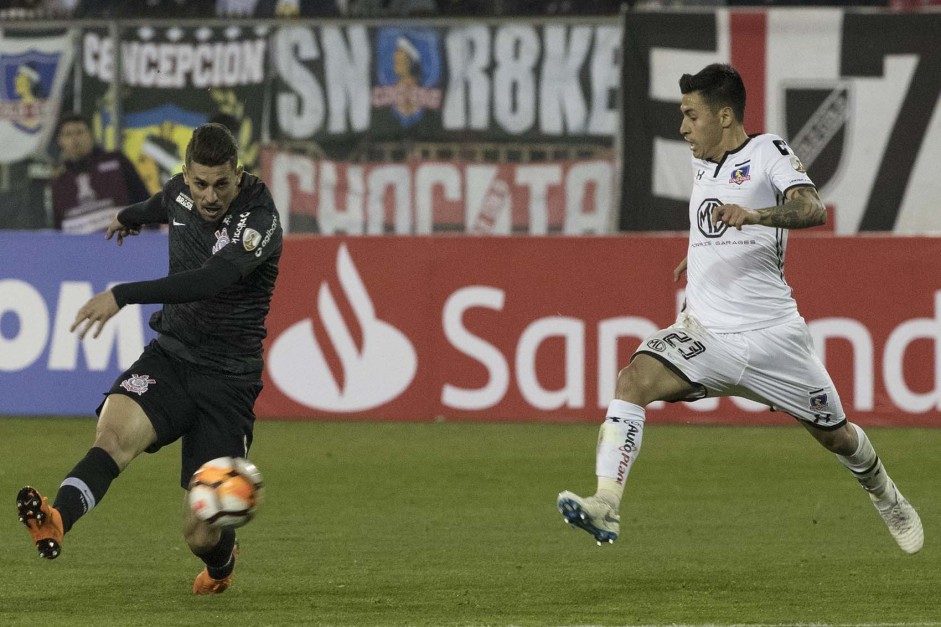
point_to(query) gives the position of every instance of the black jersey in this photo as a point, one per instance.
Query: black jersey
(224, 332)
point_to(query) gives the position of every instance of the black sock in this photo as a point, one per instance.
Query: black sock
(219, 560)
(85, 485)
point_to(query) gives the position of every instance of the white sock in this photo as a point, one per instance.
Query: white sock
(868, 470)
(619, 442)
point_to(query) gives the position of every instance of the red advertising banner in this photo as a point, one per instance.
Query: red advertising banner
(420, 197)
(536, 329)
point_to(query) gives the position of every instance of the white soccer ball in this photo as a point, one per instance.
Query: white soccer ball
(226, 492)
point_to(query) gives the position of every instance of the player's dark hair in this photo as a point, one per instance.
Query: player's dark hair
(72, 116)
(211, 145)
(720, 86)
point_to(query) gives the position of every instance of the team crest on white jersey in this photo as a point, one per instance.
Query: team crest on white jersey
(138, 383)
(727, 266)
(741, 174)
(185, 200)
(819, 402)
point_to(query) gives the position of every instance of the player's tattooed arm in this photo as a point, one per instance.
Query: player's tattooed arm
(802, 209)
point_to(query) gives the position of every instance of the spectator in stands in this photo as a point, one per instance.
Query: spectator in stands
(28, 9)
(98, 9)
(467, 8)
(236, 8)
(563, 7)
(205, 8)
(392, 8)
(812, 3)
(91, 184)
(297, 8)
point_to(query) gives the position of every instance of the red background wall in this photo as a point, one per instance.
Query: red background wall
(874, 286)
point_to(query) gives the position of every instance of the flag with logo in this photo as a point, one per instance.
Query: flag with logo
(175, 78)
(32, 72)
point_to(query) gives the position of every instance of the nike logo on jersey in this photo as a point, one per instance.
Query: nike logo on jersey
(175, 223)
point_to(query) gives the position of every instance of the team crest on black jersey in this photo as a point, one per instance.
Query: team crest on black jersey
(138, 383)
(741, 174)
(222, 238)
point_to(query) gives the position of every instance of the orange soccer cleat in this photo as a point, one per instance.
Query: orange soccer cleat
(43, 521)
(204, 584)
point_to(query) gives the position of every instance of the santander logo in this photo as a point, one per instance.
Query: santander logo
(368, 380)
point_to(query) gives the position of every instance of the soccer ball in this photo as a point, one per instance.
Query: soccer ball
(226, 492)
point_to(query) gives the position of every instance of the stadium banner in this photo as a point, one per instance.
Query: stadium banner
(175, 78)
(421, 197)
(33, 70)
(855, 94)
(476, 328)
(44, 369)
(339, 85)
(453, 81)
(536, 329)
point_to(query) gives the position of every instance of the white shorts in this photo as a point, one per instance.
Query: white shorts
(776, 366)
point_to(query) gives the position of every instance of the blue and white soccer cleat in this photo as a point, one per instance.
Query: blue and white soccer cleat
(592, 514)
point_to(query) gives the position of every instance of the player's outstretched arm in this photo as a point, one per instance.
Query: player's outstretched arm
(129, 220)
(801, 209)
(121, 230)
(182, 287)
(94, 314)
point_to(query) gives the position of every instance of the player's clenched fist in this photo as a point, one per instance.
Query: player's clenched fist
(734, 215)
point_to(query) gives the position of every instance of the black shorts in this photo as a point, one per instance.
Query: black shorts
(212, 412)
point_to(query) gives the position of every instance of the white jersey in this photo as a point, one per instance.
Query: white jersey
(735, 279)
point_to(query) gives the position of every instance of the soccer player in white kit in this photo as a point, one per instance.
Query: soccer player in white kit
(739, 333)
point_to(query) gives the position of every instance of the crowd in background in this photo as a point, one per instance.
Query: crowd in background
(81, 182)
(37, 9)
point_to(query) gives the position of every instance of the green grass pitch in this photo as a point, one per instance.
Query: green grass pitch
(455, 524)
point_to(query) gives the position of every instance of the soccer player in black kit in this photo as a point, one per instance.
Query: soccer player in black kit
(199, 379)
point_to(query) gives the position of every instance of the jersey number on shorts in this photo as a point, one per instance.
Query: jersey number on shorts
(677, 341)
